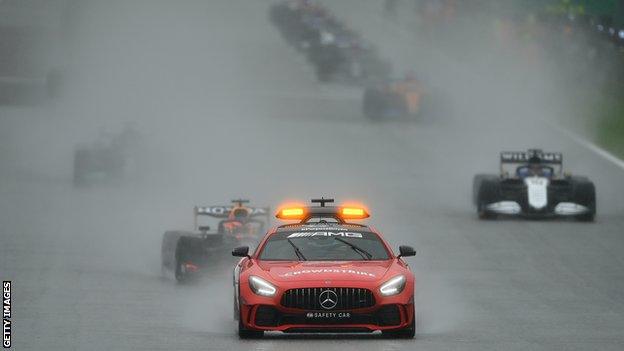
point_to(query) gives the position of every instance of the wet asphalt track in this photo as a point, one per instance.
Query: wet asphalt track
(85, 264)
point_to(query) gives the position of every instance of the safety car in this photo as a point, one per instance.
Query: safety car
(324, 274)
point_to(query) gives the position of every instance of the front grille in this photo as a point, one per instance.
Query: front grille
(347, 298)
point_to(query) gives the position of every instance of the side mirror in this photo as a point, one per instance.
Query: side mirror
(203, 228)
(406, 251)
(241, 251)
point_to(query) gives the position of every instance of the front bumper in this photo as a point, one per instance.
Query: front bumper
(277, 318)
(278, 313)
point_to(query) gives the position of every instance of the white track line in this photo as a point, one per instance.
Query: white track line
(591, 146)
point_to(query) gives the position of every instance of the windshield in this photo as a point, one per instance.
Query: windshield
(324, 245)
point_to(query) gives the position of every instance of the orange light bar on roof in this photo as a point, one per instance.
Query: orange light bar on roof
(291, 213)
(353, 213)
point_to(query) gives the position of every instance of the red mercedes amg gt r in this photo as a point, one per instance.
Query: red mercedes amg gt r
(323, 275)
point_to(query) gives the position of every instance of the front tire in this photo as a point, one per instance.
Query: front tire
(585, 194)
(486, 189)
(182, 255)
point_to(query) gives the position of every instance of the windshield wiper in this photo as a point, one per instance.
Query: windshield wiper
(365, 254)
(297, 251)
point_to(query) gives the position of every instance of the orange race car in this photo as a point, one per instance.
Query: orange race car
(399, 98)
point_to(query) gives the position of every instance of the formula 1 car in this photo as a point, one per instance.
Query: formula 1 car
(323, 274)
(32, 52)
(299, 21)
(532, 184)
(188, 254)
(107, 160)
(336, 52)
(348, 60)
(402, 98)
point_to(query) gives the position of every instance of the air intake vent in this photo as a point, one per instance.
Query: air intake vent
(339, 298)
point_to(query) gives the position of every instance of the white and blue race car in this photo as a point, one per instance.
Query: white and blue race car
(532, 184)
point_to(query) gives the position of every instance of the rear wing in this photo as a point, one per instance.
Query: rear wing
(224, 212)
(511, 160)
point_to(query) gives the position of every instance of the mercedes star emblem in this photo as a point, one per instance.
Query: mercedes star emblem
(328, 299)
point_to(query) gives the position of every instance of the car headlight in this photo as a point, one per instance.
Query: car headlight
(261, 287)
(393, 286)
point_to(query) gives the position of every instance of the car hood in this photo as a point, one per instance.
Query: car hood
(326, 270)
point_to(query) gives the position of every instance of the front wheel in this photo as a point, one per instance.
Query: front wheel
(408, 332)
(486, 190)
(585, 194)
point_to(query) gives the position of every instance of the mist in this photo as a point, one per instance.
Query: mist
(224, 108)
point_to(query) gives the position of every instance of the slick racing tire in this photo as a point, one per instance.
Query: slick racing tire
(476, 184)
(486, 190)
(585, 194)
(408, 332)
(168, 252)
(245, 333)
(185, 252)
